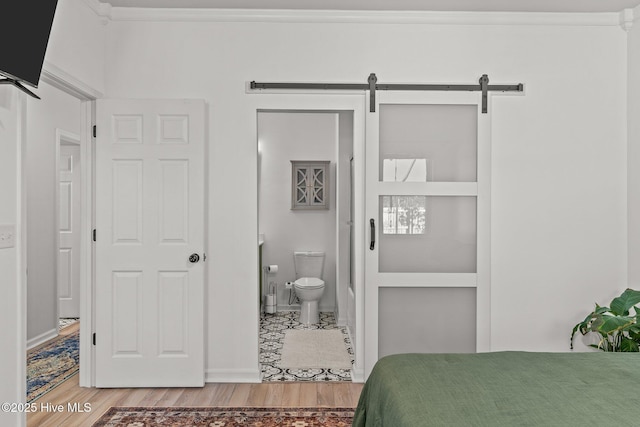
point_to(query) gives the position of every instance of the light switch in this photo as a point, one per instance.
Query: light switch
(7, 236)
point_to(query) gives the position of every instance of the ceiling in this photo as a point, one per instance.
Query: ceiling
(403, 5)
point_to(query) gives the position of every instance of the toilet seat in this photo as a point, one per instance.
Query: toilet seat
(309, 283)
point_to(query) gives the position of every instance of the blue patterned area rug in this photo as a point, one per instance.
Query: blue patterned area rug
(50, 365)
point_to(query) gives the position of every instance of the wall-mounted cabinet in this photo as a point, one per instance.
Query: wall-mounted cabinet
(309, 184)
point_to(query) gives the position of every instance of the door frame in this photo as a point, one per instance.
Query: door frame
(70, 85)
(355, 103)
(64, 137)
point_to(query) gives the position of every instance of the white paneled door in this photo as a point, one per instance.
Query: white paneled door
(69, 231)
(150, 243)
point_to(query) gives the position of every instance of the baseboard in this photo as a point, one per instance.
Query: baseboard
(327, 309)
(232, 376)
(36, 341)
(284, 307)
(357, 375)
(296, 307)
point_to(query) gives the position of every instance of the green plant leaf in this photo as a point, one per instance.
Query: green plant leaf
(618, 330)
(595, 322)
(629, 345)
(613, 323)
(634, 332)
(573, 332)
(621, 305)
(600, 310)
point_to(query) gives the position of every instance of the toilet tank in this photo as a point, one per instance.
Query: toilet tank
(308, 264)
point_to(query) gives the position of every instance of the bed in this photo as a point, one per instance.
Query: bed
(501, 389)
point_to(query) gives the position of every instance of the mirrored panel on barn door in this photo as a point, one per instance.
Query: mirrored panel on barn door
(428, 143)
(427, 234)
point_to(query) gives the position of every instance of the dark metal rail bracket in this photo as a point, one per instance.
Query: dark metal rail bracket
(19, 85)
(372, 86)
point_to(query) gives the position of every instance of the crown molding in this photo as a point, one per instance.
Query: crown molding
(103, 10)
(93, 5)
(57, 77)
(109, 13)
(627, 19)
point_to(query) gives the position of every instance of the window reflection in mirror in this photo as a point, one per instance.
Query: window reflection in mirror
(404, 170)
(404, 214)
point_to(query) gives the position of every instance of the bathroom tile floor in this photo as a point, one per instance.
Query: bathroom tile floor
(272, 328)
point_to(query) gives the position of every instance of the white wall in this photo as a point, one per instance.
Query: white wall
(56, 110)
(283, 137)
(12, 356)
(559, 151)
(559, 190)
(633, 158)
(77, 43)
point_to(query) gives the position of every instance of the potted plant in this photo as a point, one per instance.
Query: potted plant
(619, 330)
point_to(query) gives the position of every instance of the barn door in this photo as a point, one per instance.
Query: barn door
(150, 242)
(427, 213)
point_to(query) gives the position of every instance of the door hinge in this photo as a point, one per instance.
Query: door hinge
(94, 338)
(204, 257)
(94, 130)
(94, 235)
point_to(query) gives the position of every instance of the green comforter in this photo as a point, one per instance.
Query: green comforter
(502, 389)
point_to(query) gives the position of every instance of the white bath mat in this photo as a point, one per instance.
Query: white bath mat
(315, 348)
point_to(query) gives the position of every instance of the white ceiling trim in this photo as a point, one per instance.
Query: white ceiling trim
(366, 17)
(101, 9)
(629, 17)
(64, 81)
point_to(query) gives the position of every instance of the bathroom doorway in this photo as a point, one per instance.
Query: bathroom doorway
(287, 141)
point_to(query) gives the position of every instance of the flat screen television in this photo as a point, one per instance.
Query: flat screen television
(25, 26)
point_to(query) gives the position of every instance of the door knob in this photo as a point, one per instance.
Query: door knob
(193, 258)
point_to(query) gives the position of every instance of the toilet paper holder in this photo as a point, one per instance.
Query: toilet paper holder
(272, 269)
(270, 303)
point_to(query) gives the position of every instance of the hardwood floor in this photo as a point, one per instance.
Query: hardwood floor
(280, 395)
(64, 332)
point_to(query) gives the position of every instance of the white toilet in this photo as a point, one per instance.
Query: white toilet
(309, 286)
